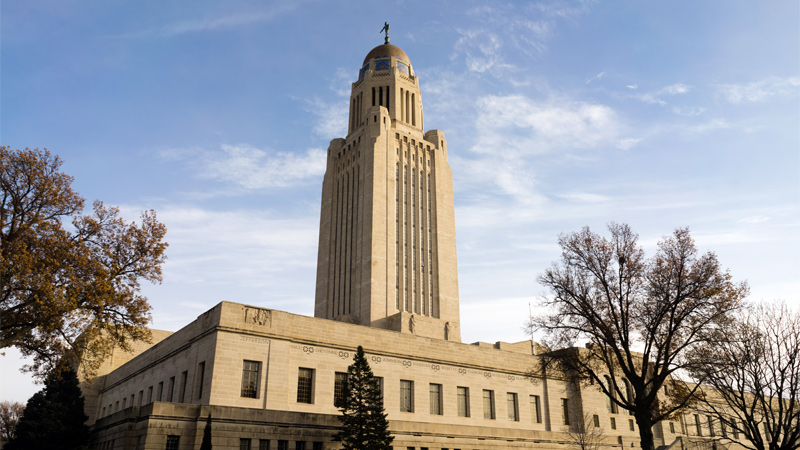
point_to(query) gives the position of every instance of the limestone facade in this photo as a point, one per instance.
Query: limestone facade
(387, 248)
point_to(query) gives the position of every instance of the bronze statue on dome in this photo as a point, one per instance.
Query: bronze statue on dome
(386, 29)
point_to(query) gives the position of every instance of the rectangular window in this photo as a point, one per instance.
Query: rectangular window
(733, 428)
(173, 442)
(317, 446)
(513, 406)
(463, 401)
(250, 378)
(244, 444)
(710, 426)
(263, 444)
(406, 396)
(300, 445)
(436, 398)
(630, 424)
(141, 398)
(488, 404)
(150, 395)
(305, 383)
(536, 408)
(171, 388)
(283, 445)
(184, 376)
(697, 425)
(565, 410)
(340, 389)
(124, 402)
(613, 423)
(596, 421)
(672, 427)
(379, 380)
(201, 372)
(160, 395)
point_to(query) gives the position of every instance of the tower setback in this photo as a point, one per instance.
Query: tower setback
(387, 248)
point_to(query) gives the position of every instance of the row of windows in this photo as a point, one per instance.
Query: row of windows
(264, 444)
(159, 395)
(305, 383)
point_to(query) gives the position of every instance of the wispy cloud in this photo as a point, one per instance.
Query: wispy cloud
(520, 125)
(596, 77)
(250, 167)
(213, 23)
(482, 52)
(656, 96)
(760, 91)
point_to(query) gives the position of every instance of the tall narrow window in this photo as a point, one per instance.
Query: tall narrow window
(436, 398)
(536, 408)
(283, 445)
(697, 425)
(630, 425)
(513, 406)
(488, 404)
(672, 427)
(184, 375)
(171, 390)
(565, 410)
(244, 444)
(612, 405)
(596, 421)
(373, 97)
(250, 379)
(305, 383)
(340, 389)
(201, 372)
(150, 395)
(379, 380)
(141, 398)
(159, 396)
(406, 396)
(711, 426)
(613, 423)
(463, 401)
(263, 444)
(387, 97)
(300, 445)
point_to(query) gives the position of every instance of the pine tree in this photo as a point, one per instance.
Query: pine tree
(54, 418)
(206, 444)
(364, 424)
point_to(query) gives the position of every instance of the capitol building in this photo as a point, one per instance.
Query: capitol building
(387, 280)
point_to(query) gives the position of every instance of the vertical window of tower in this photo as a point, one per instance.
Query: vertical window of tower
(387, 97)
(373, 96)
(413, 110)
(402, 105)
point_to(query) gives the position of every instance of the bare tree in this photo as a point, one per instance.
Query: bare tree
(10, 412)
(753, 378)
(640, 317)
(586, 434)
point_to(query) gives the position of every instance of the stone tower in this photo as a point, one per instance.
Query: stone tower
(387, 243)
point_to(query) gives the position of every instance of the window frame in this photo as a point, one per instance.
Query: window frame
(251, 379)
(305, 385)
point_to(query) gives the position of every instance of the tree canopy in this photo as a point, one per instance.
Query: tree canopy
(364, 423)
(54, 417)
(69, 283)
(752, 378)
(639, 317)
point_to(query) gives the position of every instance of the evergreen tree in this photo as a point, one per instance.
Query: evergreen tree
(206, 444)
(364, 424)
(54, 418)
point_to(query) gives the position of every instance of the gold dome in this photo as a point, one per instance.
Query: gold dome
(387, 50)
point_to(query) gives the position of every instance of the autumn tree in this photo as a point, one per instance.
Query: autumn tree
(10, 412)
(752, 378)
(638, 317)
(54, 417)
(69, 283)
(364, 423)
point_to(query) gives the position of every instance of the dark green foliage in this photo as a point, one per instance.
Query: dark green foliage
(364, 424)
(54, 417)
(206, 444)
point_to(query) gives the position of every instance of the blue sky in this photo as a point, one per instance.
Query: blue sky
(557, 114)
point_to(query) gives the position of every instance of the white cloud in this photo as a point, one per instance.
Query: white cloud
(330, 118)
(213, 23)
(760, 91)
(596, 77)
(481, 51)
(655, 96)
(585, 197)
(520, 125)
(252, 168)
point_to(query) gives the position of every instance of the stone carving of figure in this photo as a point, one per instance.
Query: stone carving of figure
(412, 322)
(447, 331)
